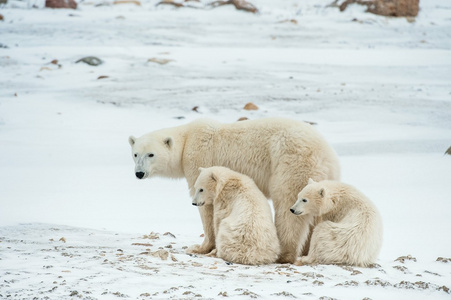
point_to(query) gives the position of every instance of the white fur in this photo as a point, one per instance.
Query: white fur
(244, 230)
(351, 231)
(278, 154)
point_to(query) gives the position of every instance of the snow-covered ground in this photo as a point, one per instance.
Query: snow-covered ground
(74, 221)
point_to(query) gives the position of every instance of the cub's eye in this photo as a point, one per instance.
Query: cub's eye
(150, 155)
(304, 200)
(135, 155)
(201, 190)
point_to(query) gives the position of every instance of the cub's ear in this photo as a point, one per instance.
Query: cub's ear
(310, 181)
(201, 169)
(131, 140)
(214, 177)
(168, 142)
(322, 192)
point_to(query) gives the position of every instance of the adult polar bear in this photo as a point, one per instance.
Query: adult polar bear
(279, 154)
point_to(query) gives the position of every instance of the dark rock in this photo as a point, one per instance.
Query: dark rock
(61, 4)
(90, 60)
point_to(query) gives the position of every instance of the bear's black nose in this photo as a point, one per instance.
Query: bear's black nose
(140, 175)
(292, 210)
(195, 204)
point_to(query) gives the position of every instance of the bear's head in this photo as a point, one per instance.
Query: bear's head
(206, 187)
(152, 154)
(310, 200)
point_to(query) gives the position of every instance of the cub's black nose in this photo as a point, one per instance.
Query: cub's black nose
(140, 175)
(195, 204)
(292, 210)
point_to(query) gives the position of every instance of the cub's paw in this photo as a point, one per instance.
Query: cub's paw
(212, 253)
(299, 262)
(200, 249)
(303, 261)
(194, 249)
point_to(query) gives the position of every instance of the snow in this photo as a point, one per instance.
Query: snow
(378, 88)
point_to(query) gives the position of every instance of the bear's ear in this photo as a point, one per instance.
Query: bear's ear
(201, 169)
(214, 177)
(322, 192)
(310, 181)
(168, 142)
(131, 140)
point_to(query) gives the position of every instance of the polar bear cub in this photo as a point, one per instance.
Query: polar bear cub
(243, 225)
(351, 231)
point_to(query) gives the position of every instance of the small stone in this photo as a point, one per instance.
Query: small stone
(293, 21)
(311, 123)
(61, 4)
(142, 244)
(392, 8)
(170, 234)
(402, 259)
(90, 60)
(161, 61)
(162, 254)
(151, 236)
(127, 2)
(442, 259)
(250, 106)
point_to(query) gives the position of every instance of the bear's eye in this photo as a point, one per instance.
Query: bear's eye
(201, 190)
(135, 155)
(150, 155)
(304, 200)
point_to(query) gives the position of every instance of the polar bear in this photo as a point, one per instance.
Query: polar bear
(351, 231)
(278, 154)
(242, 220)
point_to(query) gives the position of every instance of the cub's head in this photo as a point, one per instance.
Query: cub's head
(205, 187)
(152, 155)
(310, 199)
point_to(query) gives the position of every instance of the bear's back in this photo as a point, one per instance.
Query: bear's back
(352, 204)
(249, 147)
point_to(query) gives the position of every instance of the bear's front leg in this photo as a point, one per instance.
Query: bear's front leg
(292, 231)
(206, 214)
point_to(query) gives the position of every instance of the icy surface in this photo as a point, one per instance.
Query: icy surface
(74, 221)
